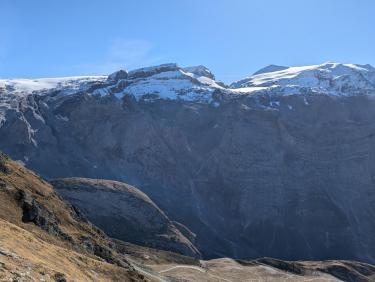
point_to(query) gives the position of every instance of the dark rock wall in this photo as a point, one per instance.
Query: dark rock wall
(289, 177)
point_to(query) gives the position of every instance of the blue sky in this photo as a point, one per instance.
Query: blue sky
(234, 38)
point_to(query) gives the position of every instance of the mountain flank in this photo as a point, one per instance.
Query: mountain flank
(126, 213)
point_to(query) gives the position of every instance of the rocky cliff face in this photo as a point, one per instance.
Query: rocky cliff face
(281, 164)
(125, 213)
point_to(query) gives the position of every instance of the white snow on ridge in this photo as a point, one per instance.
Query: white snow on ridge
(329, 78)
(166, 81)
(168, 75)
(169, 81)
(28, 86)
(200, 71)
(307, 75)
(172, 85)
(251, 89)
(12, 89)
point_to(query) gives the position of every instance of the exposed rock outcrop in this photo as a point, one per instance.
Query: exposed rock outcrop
(3, 167)
(149, 71)
(38, 214)
(118, 75)
(125, 213)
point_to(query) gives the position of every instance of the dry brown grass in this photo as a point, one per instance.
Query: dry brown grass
(27, 250)
(24, 255)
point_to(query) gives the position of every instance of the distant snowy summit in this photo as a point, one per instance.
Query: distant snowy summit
(40, 85)
(328, 78)
(170, 81)
(167, 81)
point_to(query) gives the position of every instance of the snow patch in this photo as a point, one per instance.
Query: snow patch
(305, 101)
(62, 118)
(274, 103)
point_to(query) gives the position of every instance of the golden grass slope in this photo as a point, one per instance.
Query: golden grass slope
(73, 249)
(24, 255)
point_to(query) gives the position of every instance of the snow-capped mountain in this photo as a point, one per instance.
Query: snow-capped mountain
(329, 78)
(24, 87)
(262, 167)
(169, 81)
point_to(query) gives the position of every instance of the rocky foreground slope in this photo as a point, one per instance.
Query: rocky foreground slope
(42, 237)
(280, 164)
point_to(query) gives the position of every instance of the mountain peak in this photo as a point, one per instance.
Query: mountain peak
(121, 74)
(149, 71)
(270, 68)
(200, 71)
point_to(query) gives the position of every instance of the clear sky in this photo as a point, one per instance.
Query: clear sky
(234, 38)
